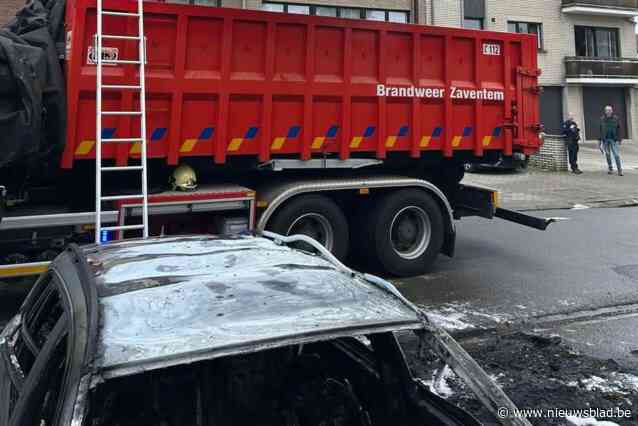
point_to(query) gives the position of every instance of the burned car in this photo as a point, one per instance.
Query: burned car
(217, 331)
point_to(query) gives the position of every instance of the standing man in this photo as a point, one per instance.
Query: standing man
(571, 132)
(610, 138)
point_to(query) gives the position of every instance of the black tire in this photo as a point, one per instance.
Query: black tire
(382, 226)
(317, 206)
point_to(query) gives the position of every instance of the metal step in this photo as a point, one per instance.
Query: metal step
(120, 87)
(122, 140)
(115, 13)
(121, 197)
(121, 62)
(120, 37)
(122, 228)
(121, 112)
(121, 168)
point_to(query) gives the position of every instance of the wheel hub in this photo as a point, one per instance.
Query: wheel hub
(315, 226)
(410, 232)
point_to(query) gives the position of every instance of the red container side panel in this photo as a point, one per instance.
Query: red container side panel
(225, 82)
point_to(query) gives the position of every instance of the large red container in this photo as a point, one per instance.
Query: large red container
(226, 82)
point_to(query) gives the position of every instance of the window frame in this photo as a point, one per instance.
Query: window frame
(69, 276)
(593, 31)
(217, 3)
(480, 21)
(38, 377)
(362, 11)
(539, 34)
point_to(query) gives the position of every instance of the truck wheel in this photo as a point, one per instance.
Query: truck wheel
(316, 216)
(405, 230)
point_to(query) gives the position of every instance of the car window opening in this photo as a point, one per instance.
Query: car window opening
(318, 383)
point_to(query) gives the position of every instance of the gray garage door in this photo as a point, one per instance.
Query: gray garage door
(551, 104)
(594, 100)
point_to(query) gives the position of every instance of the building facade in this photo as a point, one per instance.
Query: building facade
(587, 48)
(587, 52)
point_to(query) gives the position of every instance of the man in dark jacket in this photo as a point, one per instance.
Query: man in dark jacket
(571, 132)
(610, 138)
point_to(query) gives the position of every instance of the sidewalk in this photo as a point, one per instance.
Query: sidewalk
(541, 190)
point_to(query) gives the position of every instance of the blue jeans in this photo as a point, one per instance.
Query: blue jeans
(611, 147)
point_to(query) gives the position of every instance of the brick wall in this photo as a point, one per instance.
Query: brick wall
(446, 13)
(551, 156)
(555, 30)
(8, 9)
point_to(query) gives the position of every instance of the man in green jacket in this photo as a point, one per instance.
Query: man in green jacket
(610, 138)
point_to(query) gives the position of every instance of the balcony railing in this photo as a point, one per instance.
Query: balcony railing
(611, 70)
(601, 7)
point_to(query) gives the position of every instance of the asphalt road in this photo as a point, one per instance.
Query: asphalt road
(578, 279)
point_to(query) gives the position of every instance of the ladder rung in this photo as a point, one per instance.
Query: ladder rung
(121, 168)
(120, 87)
(121, 112)
(122, 140)
(119, 37)
(121, 197)
(120, 62)
(122, 228)
(115, 13)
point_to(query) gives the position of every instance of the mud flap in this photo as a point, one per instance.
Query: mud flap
(486, 390)
(524, 219)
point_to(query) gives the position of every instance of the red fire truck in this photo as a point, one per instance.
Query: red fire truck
(353, 132)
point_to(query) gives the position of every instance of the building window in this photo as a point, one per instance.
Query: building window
(298, 9)
(375, 15)
(401, 17)
(325, 11)
(213, 3)
(349, 13)
(474, 14)
(341, 12)
(473, 23)
(596, 41)
(273, 7)
(527, 28)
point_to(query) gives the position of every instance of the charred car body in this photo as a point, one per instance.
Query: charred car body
(217, 331)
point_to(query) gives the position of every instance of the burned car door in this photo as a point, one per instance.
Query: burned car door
(33, 353)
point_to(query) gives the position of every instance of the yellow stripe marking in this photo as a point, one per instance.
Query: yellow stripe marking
(317, 142)
(487, 140)
(425, 141)
(136, 148)
(390, 141)
(23, 270)
(188, 145)
(356, 141)
(84, 147)
(277, 143)
(235, 144)
(457, 141)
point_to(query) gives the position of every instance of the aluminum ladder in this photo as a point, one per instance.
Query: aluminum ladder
(141, 114)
